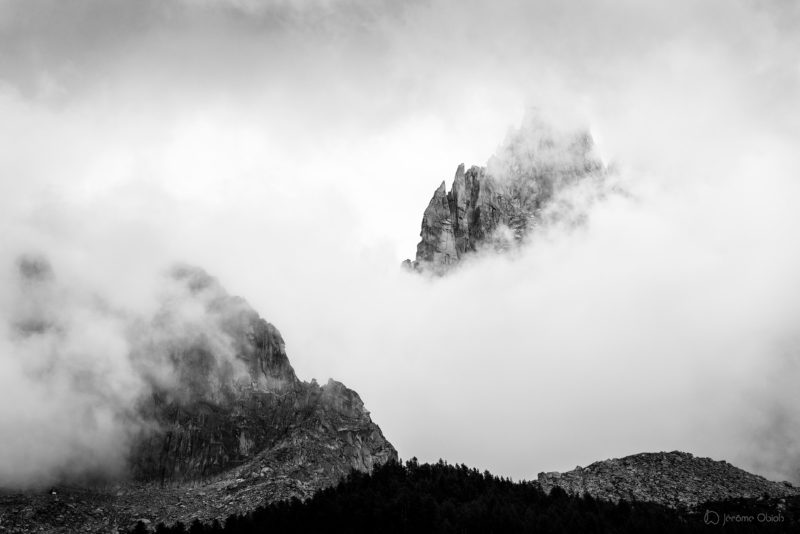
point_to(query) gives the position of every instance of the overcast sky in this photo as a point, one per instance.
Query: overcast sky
(290, 148)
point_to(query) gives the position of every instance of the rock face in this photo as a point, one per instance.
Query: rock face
(233, 396)
(674, 479)
(222, 425)
(496, 206)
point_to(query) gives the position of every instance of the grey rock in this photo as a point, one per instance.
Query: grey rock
(233, 407)
(675, 479)
(497, 206)
(214, 420)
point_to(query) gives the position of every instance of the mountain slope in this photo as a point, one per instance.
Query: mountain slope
(217, 413)
(446, 498)
(675, 479)
(221, 423)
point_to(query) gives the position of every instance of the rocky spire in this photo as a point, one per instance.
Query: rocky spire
(497, 206)
(438, 244)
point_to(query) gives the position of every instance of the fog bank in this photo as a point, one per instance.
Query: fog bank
(290, 150)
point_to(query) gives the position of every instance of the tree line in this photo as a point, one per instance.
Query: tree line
(443, 498)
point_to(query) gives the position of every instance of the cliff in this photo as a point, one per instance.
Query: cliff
(497, 206)
(229, 400)
(221, 423)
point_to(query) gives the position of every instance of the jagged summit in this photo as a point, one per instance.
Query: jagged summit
(498, 205)
(232, 395)
(675, 479)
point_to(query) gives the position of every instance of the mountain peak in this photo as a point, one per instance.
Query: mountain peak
(231, 392)
(214, 419)
(497, 206)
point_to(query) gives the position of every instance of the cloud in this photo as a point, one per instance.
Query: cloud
(77, 369)
(68, 384)
(291, 151)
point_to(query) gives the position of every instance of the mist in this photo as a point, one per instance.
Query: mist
(289, 149)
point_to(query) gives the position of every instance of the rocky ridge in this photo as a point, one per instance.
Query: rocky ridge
(497, 206)
(675, 479)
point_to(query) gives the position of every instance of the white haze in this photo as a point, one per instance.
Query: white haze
(290, 148)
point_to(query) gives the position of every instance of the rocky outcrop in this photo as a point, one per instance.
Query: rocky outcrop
(497, 206)
(221, 411)
(675, 479)
(223, 423)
